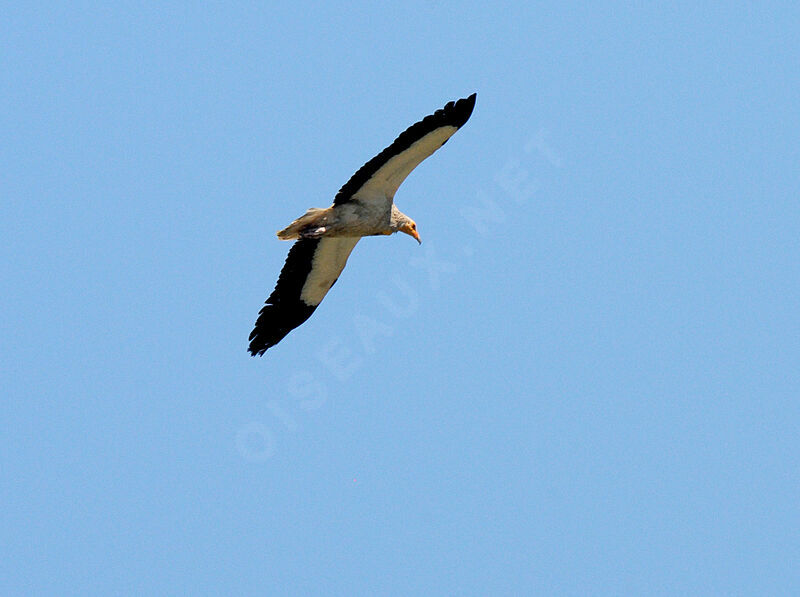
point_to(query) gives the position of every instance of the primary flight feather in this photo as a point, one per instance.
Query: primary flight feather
(364, 206)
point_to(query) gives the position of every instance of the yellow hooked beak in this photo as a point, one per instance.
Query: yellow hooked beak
(411, 230)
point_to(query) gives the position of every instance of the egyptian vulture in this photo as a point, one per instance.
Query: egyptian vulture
(364, 206)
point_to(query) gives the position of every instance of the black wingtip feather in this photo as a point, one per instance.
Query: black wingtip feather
(461, 110)
(284, 310)
(274, 322)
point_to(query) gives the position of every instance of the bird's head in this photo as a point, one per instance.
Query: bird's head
(400, 222)
(410, 228)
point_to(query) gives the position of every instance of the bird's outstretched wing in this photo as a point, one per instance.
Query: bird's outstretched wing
(380, 177)
(312, 267)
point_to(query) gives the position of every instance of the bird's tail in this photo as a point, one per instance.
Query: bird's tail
(311, 224)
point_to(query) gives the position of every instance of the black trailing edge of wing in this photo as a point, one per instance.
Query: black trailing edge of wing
(454, 113)
(284, 310)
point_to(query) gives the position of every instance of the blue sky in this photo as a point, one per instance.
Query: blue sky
(584, 381)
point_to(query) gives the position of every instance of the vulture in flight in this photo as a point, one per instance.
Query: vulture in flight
(364, 206)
